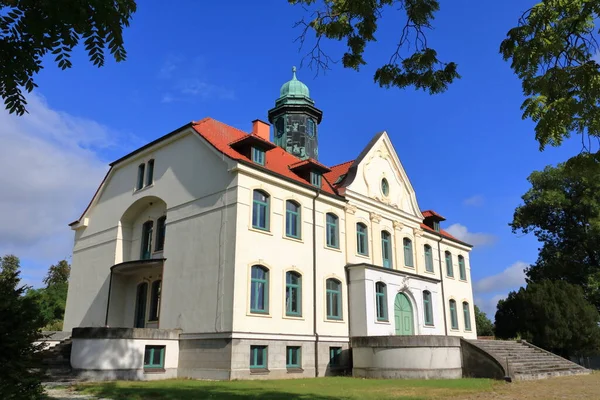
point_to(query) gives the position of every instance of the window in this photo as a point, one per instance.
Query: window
(362, 246)
(150, 173)
(292, 219)
(160, 233)
(310, 127)
(258, 357)
(449, 270)
(334, 299)
(155, 301)
(428, 258)
(141, 296)
(467, 316)
(436, 226)
(381, 301)
(154, 357)
(293, 294)
(386, 249)
(140, 178)
(293, 357)
(258, 155)
(335, 355)
(453, 316)
(259, 290)
(315, 179)
(461, 268)
(332, 231)
(427, 307)
(385, 187)
(408, 252)
(260, 210)
(147, 228)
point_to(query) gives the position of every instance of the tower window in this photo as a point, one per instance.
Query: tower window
(315, 179)
(310, 127)
(258, 155)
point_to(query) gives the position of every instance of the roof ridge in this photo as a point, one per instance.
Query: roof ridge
(206, 119)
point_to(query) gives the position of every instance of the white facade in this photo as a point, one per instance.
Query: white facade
(210, 247)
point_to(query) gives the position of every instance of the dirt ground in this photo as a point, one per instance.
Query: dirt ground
(580, 387)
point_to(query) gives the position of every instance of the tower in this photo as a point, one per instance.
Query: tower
(295, 119)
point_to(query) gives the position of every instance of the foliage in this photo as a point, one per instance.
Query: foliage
(329, 388)
(553, 315)
(9, 264)
(20, 323)
(52, 299)
(552, 50)
(562, 209)
(485, 327)
(413, 63)
(32, 29)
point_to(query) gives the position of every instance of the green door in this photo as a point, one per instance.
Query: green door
(403, 315)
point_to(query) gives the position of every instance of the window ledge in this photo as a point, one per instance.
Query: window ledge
(259, 371)
(144, 188)
(382, 321)
(258, 230)
(335, 321)
(294, 370)
(154, 370)
(333, 248)
(463, 280)
(293, 239)
(296, 317)
(257, 314)
(428, 326)
(363, 256)
(429, 272)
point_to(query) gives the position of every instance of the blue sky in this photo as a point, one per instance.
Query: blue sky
(467, 151)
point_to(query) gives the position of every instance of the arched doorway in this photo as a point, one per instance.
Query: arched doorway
(403, 315)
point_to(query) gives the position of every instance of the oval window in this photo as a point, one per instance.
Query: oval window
(385, 187)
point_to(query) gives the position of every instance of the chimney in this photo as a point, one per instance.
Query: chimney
(261, 129)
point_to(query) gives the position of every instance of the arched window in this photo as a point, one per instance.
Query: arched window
(381, 301)
(333, 231)
(292, 219)
(260, 210)
(428, 308)
(155, 301)
(428, 258)
(150, 173)
(293, 294)
(449, 269)
(467, 316)
(334, 299)
(147, 229)
(386, 249)
(453, 315)
(160, 233)
(140, 177)
(461, 268)
(385, 187)
(259, 290)
(408, 252)
(362, 246)
(310, 127)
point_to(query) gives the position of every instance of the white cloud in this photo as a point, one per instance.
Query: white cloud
(475, 238)
(489, 290)
(474, 201)
(50, 170)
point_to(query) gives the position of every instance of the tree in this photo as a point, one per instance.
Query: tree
(20, 325)
(32, 29)
(562, 209)
(551, 314)
(9, 264)
(52, 299)
(551, 49)
(485, 327)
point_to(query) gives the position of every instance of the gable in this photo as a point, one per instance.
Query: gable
(379, 161)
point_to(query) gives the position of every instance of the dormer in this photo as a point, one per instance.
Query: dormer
(311, 170)
(255, 145)
(432, 219)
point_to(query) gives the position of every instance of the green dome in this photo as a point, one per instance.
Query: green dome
(294, 88)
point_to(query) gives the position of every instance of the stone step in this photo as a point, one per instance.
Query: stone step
(525, 376)
(536, 366)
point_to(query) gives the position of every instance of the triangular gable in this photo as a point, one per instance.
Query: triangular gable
(377, 161)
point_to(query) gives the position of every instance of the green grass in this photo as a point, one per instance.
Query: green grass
(296, 389)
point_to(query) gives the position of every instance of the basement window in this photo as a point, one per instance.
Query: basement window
(154, 358)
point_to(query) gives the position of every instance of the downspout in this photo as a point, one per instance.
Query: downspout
(108, 300)
(314, 235)
(442, 287)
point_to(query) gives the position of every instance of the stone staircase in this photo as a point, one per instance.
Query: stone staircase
(524, 361)
(56, 362)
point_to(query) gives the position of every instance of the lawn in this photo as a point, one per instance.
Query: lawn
(297, 389)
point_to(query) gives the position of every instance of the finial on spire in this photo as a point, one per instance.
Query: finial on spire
(294, 72)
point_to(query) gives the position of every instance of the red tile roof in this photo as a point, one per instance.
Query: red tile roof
(431, 213)
(337, 171)
(220, 135)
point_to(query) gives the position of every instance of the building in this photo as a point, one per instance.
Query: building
(244, 257)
